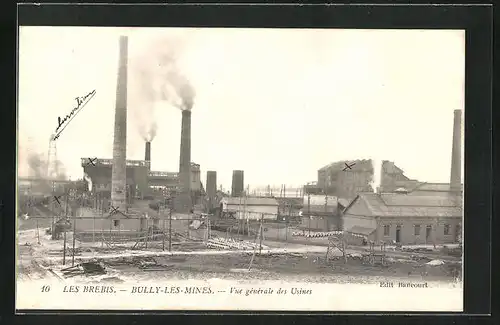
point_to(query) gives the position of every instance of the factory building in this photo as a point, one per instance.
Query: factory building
(416, 212)
(252, 208)
(140, 181)
(321, 213)
(348, 178)
(405, 219)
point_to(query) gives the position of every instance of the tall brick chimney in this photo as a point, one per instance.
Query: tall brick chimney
(184, 199)
(456, 153)
(119, 174)
(147, 156)
(238, 183)
(211, 187)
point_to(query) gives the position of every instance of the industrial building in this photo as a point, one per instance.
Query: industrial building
(252, 208)
(416, 212)
(140, 181)
(348, 178)
(322, 213)
(405, 219)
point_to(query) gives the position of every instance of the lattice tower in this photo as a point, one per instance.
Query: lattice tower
(52, 158)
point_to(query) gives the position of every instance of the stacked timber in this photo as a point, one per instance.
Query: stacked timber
(230, 243)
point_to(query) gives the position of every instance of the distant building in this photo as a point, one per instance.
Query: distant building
(253, 208)
(347, 178)
(321, 213)
(141, 181)
(405, 218)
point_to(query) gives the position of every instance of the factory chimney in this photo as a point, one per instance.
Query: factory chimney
(184, 198)
(119, 174)
(211, 187)
(456, 153)
(147, 156)
(238, 184)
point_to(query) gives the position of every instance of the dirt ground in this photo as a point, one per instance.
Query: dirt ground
(302, 263)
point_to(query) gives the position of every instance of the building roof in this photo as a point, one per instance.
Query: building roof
(437, 187)
(354, 165)
(360, 230)
(251, 201)
(402, 205)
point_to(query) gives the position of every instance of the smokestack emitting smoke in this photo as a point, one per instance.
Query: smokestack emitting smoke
(456, 153)
(118, 177)
(159, 79)
(185, 161)
(238, 183)
(147, 155)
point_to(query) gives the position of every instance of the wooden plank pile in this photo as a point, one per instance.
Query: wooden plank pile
(316, 234)
(230, 243)
(88, 268)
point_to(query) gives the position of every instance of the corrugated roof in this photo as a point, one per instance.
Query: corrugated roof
(251, 201)
(361, 230)
(417, 200)
(401, 205)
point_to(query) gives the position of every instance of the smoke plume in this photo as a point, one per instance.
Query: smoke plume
(377, 174)
(159, 81)
(89, 181)
(37, 164)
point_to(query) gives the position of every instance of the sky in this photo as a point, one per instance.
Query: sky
(276, 103)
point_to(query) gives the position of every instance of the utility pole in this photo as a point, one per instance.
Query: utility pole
(261, 231)
(170, 225)
(37, 232)
(309, 211)
(163, 244)
(52, 212)
(65, 219)
(74, 238)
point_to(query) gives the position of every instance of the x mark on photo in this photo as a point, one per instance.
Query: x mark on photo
(92, 161)
(347, 166)
(115, 211)
(56, 198)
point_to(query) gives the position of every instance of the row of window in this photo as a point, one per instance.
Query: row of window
(387, 229)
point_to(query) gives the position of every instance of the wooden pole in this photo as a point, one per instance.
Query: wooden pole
(309, 211)
(170, 227)
(65, 219)
(74, 237)
(261, 231)
(147, 231)
(163, 245)
(37, 232)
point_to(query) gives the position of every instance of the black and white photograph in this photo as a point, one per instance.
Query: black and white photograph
(240, 169)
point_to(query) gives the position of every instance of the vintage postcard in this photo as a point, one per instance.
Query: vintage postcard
(240, 169)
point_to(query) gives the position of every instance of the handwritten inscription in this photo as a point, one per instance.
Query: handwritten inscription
(80, 103)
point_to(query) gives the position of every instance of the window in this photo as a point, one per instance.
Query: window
(417, 230)
(387, 230)
(446, 229)
(116, 223)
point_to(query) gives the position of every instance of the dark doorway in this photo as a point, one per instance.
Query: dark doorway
(428, 232)
(398, 234)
